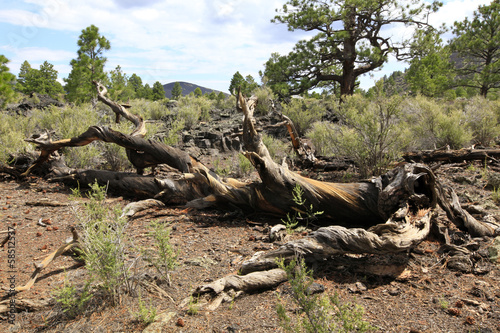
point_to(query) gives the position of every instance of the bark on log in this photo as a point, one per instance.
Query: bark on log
(452, 156)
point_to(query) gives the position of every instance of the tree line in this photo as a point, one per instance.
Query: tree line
(349, 42)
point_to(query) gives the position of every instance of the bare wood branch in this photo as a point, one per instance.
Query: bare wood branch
(452, 156)
(51, 257)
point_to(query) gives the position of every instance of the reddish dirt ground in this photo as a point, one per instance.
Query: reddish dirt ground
(425, 296)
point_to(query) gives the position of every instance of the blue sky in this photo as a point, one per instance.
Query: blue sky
(199, 41)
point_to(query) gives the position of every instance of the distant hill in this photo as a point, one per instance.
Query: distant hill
(187, 88)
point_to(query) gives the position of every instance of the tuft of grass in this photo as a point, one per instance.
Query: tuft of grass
(302, 212)
(317, 314)
(145, 314)
(164, 257)
(444, 304)
(495, 195)
(193, 306)
(72, 301)
(220, 168)
(244, 165)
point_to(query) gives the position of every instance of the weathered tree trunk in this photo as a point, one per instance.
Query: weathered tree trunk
(452, 156)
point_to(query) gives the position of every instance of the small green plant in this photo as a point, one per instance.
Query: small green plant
(164, 257)
(220, 169)
(193, 306)
(145, 314)
(72, 301)
(495, 195)
(302, 212)
(103, 244)
(471, 167)
(173, 134)
(318, 314)
(444, 304)
(244, 165)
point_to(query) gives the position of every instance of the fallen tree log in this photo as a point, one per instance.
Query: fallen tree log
(453, 156)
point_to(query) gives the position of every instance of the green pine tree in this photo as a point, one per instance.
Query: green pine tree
(158, 91)
(147, 92)
(350, 41)
(198, 92)
(176, 91)
(119, 88)
(7, 81)
(478, 45)
(21, 77)
(87, 67)
(135, 83)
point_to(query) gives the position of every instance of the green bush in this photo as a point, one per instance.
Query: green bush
(482, 118)
(422, 114)
(244, 166)
(226, 103)
(436, 124)
(371, 132)
(317, 314)
(265, 100)
(452, 130)
(13, 131)
(104, 243)
(173, 134)
(149, 110)
(193, 109)
(303, 113)
(190, 115)
(322, 134)
(163, 257)
(277, 148)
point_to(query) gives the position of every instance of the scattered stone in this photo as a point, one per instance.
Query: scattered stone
(233, 328)
(493, 180)
(315, 288)
(161, 320)
(394, 291)
(357, 288)
(460, 263)
(277, 233)
(204, 262)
